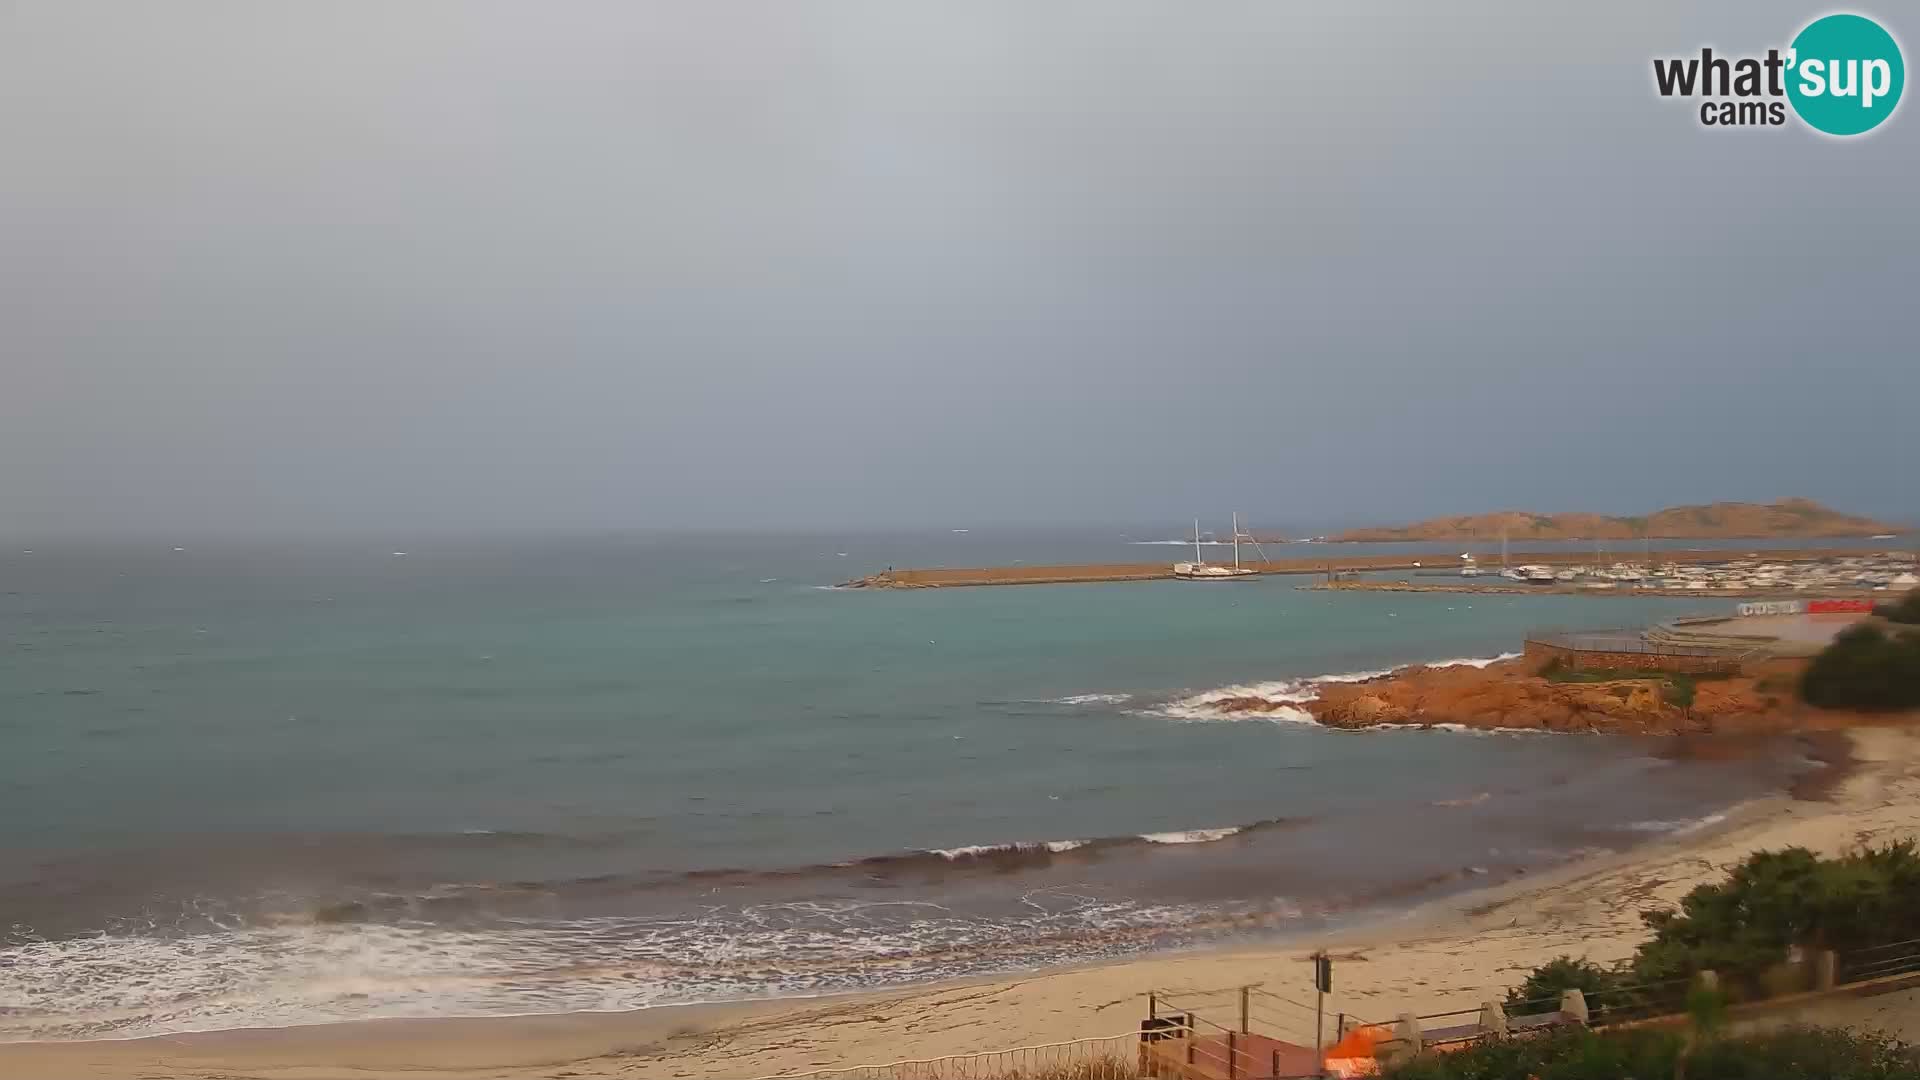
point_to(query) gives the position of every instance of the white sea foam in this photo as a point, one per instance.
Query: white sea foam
(1283, 695)
(975, 850)
(1472, 661)
(1460, 729)
(1091, 699)
(1192, 836)
(1354, 676)
(1677, 827)
(118, 986)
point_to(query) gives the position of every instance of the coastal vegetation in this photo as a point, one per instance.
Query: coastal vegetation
(1905, 610)
(1715, 521)
(1866, 668)
(1745, 927)
(1678, 689)
(1580, 1054)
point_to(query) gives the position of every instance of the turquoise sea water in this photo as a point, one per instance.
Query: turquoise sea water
(249, 783)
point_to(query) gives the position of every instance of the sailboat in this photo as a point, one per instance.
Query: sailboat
(1199, 570)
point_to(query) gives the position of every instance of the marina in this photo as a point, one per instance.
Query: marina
(1757, 572)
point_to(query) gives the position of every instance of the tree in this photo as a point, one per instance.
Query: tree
(1904, 610)
(1554, 978)
(1865, 668)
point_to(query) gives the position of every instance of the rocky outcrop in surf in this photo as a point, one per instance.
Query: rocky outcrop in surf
(1512, 695)
(1506, 698)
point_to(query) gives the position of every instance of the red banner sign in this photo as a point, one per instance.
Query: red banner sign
(1839, 607)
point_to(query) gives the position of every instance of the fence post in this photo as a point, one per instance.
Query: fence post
(1573, 1005)
(1407, 1031)
(1233, 1059)
(1826, 970)
(1493, 1018)
(1243, 1010)
(1153, 1005)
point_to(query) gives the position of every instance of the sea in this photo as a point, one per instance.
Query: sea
(263, 783)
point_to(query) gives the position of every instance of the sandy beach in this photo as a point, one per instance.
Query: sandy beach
(1448, 955)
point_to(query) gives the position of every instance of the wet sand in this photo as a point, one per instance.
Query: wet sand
(1448, 955)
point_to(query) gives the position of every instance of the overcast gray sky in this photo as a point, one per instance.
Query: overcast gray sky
(301, 266)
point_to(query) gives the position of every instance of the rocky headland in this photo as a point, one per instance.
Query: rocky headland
(1518, 695)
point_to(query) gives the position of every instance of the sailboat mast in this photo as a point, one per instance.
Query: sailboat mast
(1236, 539)
(1197, 560)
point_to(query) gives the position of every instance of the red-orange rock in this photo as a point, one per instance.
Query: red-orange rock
(1507, 695)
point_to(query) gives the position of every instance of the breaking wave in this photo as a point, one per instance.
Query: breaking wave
(1193, 836)
(1680, 827)
(118, 986)
(1279, 701)
(975, 851)
(1092, 699)
(1469, 661)
(501, 949)
(1027, 852)
(1275, 702)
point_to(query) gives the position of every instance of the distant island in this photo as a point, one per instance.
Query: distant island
(1714, 521)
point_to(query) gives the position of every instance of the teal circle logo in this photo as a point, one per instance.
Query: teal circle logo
(1845, 74)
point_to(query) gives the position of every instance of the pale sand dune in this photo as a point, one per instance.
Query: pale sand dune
(1449, 956)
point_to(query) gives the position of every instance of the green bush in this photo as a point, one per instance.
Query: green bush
(1777, 899)
(1742, 928)
(1679, 692)
(1544, 986)
(1865, 668)
(1578, 1054)
(1904, 610)
(1568, 1054)
(1804, 1053)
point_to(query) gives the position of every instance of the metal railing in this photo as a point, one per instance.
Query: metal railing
(1237, 1033)
(1621, 641)
(1879, 961)
(1641, 1001)
(1109, 1057)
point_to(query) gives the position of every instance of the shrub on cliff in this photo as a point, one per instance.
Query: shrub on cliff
(1568, 1054)
(1904, 610)
(1796, 1053)
(1865, 669)
(1743, 927)
(1546, 983)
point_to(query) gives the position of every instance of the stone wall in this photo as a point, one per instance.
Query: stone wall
(1540, 653)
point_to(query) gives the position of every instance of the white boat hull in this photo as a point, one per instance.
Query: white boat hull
(1203, 572)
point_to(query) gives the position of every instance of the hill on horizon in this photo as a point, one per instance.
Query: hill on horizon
(1713, 521)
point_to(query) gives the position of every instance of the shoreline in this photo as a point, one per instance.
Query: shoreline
(1447, 953)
